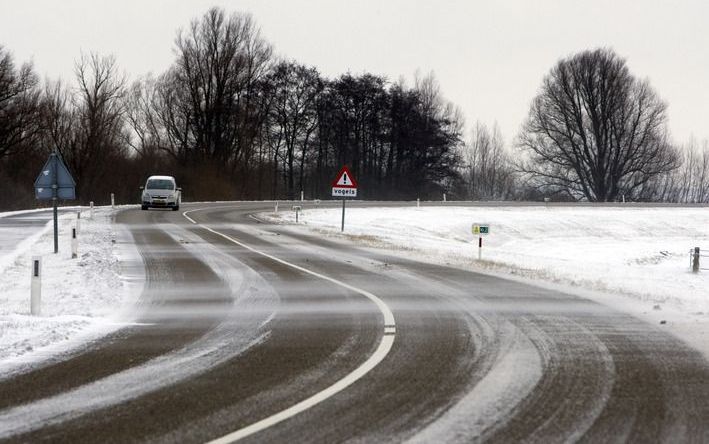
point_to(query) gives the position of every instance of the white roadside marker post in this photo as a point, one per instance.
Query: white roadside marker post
(78, 221)
(695, 260)
(297, 209)
(418, 202)
(301, 196)
(276, 210)
(113, 201)
(91, 211)
(36, 286)
(74, 244)
(444, 197)
(480, 248)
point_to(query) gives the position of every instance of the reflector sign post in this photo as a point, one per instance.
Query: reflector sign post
(481, 230)
(344, 186)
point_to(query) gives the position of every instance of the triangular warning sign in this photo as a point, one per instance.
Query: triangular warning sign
(345, 179)
(54, 172)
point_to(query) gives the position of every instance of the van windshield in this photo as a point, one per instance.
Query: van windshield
(160, 184)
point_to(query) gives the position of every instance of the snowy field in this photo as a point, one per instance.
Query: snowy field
(82, 298)
(636, 259)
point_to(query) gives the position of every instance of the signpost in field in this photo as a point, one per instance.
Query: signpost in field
(481, 230)
(344, 186)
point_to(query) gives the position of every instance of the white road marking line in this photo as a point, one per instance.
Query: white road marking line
(359, 372)
(184, 213)
(378, 356)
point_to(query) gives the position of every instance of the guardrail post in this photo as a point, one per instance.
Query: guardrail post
(36, 286)
(695, 260)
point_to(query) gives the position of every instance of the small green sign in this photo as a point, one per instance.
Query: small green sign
(481, 229)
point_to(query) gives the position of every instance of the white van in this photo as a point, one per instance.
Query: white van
(161, 192)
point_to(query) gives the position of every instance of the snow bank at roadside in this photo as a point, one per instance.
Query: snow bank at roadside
(82, 298)
(638, 252)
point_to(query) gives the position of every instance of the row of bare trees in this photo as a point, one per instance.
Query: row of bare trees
(232, 121)
(488, 172)
(84, 123)
(271, 128)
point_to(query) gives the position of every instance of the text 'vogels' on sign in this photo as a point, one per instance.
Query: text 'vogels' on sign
(345, 184)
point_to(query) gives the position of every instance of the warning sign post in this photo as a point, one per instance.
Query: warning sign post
(344, 186)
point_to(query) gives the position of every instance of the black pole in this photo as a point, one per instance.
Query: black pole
(56, 227)
(343, 214)
(55, 187)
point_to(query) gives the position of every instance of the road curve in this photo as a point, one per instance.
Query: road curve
(239, 323)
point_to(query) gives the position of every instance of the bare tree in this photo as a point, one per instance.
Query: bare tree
(488, 171)
(19, 105)
(141, 113)
(596, 131)
(441, 127)
(212, 85)
(98, 109)
(57, 117)
(696, 172)
(690, 182)
(294, 114)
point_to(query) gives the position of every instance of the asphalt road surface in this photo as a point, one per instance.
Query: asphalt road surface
(264, 333)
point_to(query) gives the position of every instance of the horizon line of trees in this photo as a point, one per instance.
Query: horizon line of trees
(232, 121)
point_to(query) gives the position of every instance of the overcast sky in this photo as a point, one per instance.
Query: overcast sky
(489, 56)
